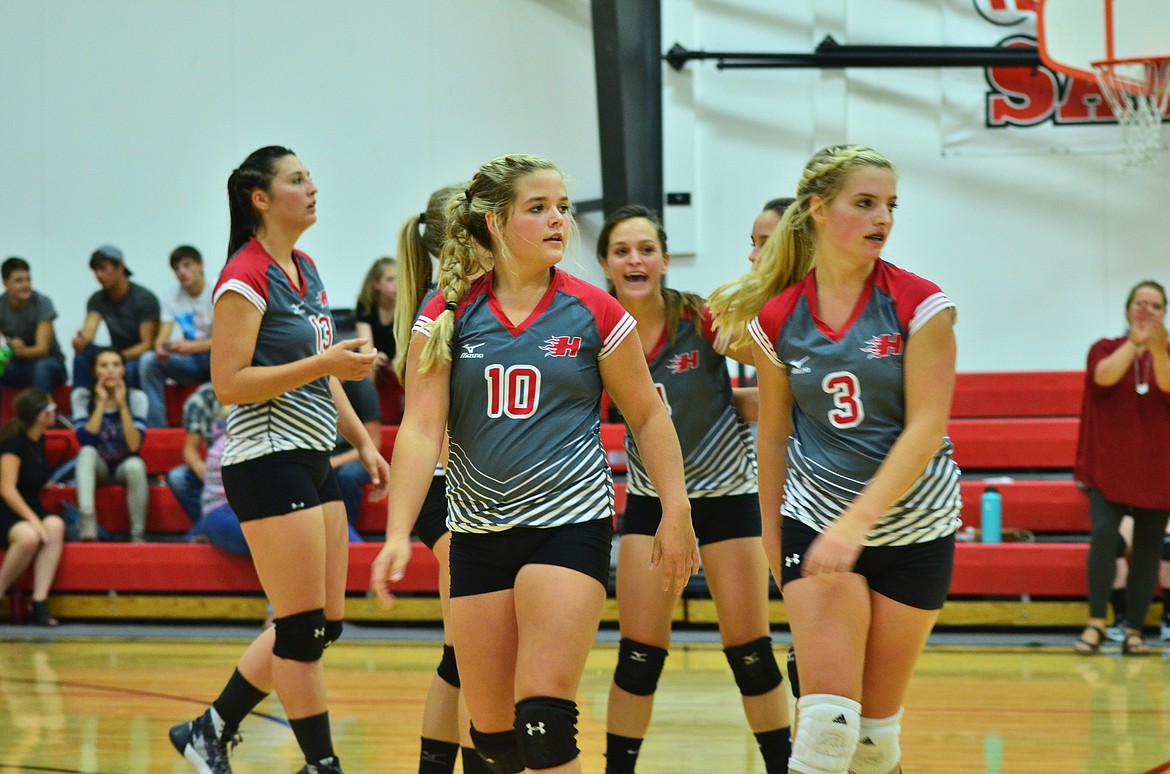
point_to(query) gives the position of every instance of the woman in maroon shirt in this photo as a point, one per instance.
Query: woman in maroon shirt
(1123, 460)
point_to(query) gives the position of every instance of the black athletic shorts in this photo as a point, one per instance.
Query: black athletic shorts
(432, 519)
(714, 518)
(917, 575)
(280, 483)
(485, 562)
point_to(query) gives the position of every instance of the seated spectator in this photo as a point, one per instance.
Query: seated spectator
(185, 359)
(110, 422)
(216, 522)
(29, 534)
(26, 322)
(129, 311)
(200, 412)
(351, 474)
(374, 320)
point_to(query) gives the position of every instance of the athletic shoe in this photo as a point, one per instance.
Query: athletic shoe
(330, 765)
(1165, 630)
(202, 746)
(1116, 633)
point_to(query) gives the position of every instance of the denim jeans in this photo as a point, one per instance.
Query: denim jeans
(183, 369)
(45, 372)
(187, 489)
(352, 479)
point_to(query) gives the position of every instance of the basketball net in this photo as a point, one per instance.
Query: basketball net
(1138, 91)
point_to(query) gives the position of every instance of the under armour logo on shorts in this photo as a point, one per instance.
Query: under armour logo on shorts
(791, 560)
(318, 633)
(533, 729)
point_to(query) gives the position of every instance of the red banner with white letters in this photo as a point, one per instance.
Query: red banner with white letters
(1014, 110)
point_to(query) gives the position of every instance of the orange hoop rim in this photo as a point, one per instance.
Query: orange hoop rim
(1131, 60)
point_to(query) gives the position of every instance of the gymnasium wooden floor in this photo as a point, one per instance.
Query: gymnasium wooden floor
(103, 706)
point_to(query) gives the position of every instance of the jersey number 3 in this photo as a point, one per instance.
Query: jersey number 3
(846, 392)
(513, 392)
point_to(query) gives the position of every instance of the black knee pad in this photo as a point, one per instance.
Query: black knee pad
(448, 669)
(500, 751)
(301, 637)
(333, 632)
(793, 675)
(754, 667)
(547, 729)
(639, 667)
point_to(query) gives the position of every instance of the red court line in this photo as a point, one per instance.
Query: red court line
(1165, 767)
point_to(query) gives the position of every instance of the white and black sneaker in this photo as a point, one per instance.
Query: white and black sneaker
(330, 765)
(1165, 637)
(1116, 632)
(206, 743)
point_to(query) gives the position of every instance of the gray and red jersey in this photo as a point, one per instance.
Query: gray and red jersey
(525, 421)
(295, 324)
(849, 404)
(719, 457)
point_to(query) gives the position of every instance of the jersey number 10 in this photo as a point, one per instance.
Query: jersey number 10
(513, 392)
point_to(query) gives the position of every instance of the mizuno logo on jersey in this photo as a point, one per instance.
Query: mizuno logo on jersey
(798, 366)
(683, 362)
(322, 301)
(883, 346)
(469, 350)
(562, 346)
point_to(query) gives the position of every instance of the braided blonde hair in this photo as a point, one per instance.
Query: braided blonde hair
(492, 189)
(790, 253)
(419, 240)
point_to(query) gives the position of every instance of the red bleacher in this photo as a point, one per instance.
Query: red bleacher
(1002, 424)
(199, 567)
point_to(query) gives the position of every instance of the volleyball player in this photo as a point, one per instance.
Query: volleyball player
(720, 466)
(856, 366)
(280, 370)
(513, 364)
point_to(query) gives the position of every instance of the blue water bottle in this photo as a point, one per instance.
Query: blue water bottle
(990, 514)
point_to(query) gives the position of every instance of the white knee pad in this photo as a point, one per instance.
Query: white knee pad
(827, 728)
(878, 750)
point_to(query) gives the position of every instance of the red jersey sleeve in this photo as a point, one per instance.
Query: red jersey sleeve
(765, 329)
(916, 299)
(614, 323)
(247, 274)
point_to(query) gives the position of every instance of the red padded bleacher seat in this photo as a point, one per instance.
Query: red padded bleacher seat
(164, 515)
(1015, 569)
(981, 570)
(1018, 394)
(162, 448)
(199, 567)
(999, 444)
(1056, 505)
(176, 395)
(613, 435)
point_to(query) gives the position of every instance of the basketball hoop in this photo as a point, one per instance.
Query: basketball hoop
(1138, 92)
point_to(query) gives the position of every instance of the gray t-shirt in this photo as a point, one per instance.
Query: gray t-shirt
(23, 324)
(123, 318)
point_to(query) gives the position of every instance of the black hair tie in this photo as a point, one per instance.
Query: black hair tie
(422, 218)
(467, 198)
(451, 306)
